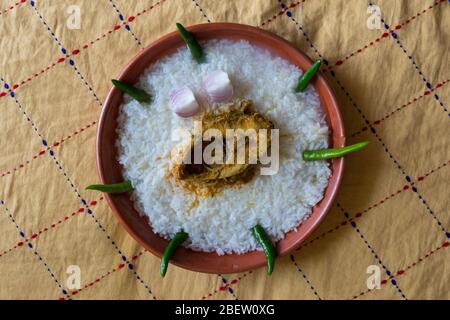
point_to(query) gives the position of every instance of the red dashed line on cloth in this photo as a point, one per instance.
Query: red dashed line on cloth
(409, 103)
(234, 281)
(74, 52)
(361, 213)
(12, 7)
(201, 10)
(358, 215)
(43, 151)
(283, 11)
(404, 270)
(120, 266)
(53, 226)
(421, 178)
(225, 286)
(385, 35)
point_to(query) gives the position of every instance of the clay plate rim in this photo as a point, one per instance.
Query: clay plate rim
(110, 170)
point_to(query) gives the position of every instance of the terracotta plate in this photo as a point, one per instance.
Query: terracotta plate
(110, 170)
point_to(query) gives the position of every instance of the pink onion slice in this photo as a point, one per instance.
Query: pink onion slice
(182, 101)
(218, 86)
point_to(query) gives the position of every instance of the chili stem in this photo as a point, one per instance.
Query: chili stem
(267, 245)
(176, 241)
(136, 93)
(305, 79)
(112, 188)
(193, 45)
(312, 155)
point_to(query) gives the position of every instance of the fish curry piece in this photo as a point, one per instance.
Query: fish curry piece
(208, 179)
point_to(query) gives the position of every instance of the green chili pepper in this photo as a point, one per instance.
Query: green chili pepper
(196, 51)
(307, 76)
(136, 93)
(178, 239)
(311, 155)
(112, 188)
(269, 250)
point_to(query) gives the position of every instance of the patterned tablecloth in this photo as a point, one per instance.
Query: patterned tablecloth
(391, 76)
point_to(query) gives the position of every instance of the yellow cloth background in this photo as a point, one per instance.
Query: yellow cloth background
(380, 218)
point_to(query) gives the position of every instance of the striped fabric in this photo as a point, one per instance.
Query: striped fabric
(388, 62)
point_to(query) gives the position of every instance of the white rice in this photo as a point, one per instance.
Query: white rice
(222, 223)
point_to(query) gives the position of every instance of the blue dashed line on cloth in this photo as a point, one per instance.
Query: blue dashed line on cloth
(127, 27)
(305, 277)
(229, 289)
(201, 10)
(300, 27)
(59, 166)
(35, 253)
(72, 63)
(428, 85)
(63, 50)
(376, 256)
(397, 164)
(136, 275)
(372, 129)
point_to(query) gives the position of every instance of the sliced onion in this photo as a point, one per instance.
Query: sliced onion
(218, 86)
(182, 101)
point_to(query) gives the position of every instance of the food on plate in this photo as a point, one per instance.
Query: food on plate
(136, 93)
(218, 86)
(267, 245)
(176, 241)
(208, 179)
(306, 78)
(226, 206)
(314, 155)
(221, 221)
(193, 45)
(120, 187)
(182, 101)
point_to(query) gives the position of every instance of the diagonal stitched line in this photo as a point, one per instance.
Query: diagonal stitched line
(396, 110)
(397, 164)
(55, 144)
(59, 166)
(361, 213)
(201, 10)
(385, 35)
(53, 226)
(407, 177)
(353, 223)
(221, 277)
(305, 277)
(428, 85)
(372, 250)
(12, 7)
(305, 34)
(228, 284)
(398, 273)
(234, 281)
(127, 26)
(64, 51)
(75, 52)
(404, 270)
(30, 246)
(107, 274)
(229, 289)
(282, 11)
